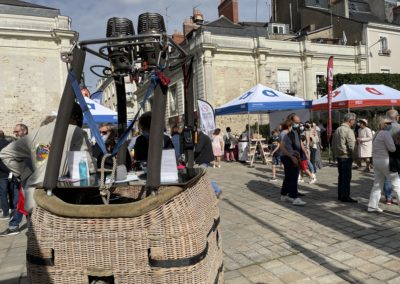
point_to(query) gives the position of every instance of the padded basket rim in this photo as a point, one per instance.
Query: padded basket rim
(56, 206)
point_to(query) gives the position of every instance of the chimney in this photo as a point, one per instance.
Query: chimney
(178, 37)
(229, 8)
(198, 17)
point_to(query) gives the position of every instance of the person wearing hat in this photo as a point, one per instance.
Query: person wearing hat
(364, 142)
(382, 144)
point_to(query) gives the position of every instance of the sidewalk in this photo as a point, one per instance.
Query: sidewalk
(269, 241)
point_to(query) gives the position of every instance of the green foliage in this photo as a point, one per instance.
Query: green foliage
(390, 80)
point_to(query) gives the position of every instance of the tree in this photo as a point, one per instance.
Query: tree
(390, 80)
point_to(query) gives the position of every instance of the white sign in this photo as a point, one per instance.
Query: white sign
(207, 118)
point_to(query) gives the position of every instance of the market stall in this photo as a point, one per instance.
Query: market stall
(359, 96)
(259, 100)
(100, 113)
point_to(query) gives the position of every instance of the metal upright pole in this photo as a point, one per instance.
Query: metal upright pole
(121, 103)
(156, 138)
(122, 115)
(189, 108)
(61, 125)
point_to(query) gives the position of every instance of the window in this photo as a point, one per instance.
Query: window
(384, 48)
(319, 78)
(173, 100)
(283, 81)
(278, 28)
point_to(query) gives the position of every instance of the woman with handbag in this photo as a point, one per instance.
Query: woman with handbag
(382, 144)
(229, 147)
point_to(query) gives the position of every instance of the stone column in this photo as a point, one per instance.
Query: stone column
(208, 76)
(309, 79)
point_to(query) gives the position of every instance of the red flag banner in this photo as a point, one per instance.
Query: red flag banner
(330, 85)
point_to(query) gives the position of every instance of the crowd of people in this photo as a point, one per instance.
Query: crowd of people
(294, 145)
(299, 151)
(23, 158)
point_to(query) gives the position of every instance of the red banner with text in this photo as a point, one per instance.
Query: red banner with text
(330, 85)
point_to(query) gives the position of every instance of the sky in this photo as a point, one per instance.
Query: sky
(89, 17)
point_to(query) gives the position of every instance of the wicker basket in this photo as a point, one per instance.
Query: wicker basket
(172, 237)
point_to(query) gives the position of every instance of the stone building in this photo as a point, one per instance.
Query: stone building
(32, 74)
(373, 23)
(231, 57)
(108, 96)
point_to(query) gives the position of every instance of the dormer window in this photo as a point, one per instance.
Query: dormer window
(279, 28)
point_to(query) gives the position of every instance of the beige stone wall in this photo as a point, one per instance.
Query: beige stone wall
(226, 67)
(31, 71)
(377, 60)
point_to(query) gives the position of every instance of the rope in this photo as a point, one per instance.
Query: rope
(105, 188)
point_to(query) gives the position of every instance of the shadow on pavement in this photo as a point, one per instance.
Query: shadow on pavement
(347, 218)
(295, 245)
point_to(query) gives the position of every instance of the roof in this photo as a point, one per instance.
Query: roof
(17, 7)
(224, 26)
(22, 4)
(361, 17)
(223, 22)
(364, 17)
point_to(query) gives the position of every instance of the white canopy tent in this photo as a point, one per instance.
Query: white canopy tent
(359, 96)
(100, 113)
(262, 99)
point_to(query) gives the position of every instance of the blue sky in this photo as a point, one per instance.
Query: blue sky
(89, 17)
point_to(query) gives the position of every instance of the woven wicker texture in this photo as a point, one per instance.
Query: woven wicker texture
(178, 242)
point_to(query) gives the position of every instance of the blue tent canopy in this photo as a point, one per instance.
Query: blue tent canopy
(100, 113)
(261, 99)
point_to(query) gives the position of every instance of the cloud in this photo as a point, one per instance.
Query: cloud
(89, 17)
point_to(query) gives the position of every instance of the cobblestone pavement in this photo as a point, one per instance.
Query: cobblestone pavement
(269, 241)
(266, 240)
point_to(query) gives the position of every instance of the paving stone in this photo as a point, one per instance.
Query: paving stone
(238, 280)
(292, 277)
(369, 268)
(330, 279)
(341, 256)
(372, 281)
(393, 265)
(355, 262)
(384, 274)
(271, 264)
(231, 274)
(394, 280)
(269, 241)
(380, 260)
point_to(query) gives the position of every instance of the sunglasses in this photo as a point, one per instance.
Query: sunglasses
(104, 132)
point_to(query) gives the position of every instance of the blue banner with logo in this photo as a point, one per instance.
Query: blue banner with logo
(262, 99)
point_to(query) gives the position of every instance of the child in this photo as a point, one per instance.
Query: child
(304, 165)
(275, 153)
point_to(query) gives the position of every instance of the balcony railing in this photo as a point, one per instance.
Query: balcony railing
(286, 87)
